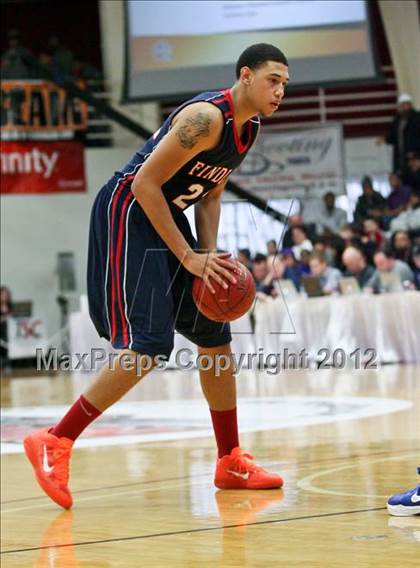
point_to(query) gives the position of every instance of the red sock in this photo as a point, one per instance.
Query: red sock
(80, 415)
(225, 425)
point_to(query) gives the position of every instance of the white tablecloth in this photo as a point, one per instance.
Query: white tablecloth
(84, 338)
(388, 323)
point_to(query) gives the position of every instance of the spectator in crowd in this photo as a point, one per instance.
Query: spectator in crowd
(412, 174)
(83, 70)
(400, 194)
(292, 269)
(409, 220)
(416, 265)
(330, 218)
(244, 256)
(260, 272)
(296, 221)
(372, 233)
(350, 236)
(386, 263)
(5, 313)
(276, 268)
(300, 241)
(271, 247)
(329, 277)
(319, 244)
(404, 133)
(356, 265)
(370, 203)
(62, 59)
(401, 246)
(334, 251)
(16, 60)
(305, 257)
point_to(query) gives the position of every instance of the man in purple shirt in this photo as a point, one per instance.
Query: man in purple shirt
(399, 196)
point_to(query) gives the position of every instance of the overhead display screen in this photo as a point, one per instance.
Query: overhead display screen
(176, 48)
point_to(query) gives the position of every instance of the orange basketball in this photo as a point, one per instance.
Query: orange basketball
(226, 304)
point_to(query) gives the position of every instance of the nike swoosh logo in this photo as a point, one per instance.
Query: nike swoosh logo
(243, 475)
(415, 498)
(46, 466)
(85, 409)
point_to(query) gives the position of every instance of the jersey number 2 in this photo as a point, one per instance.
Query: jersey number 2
(195, 190)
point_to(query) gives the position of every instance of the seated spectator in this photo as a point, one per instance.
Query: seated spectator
(372, 237)
(62, 59)
(305, 257)
(292, 269)
(416, 265)
(300, 241)
(319, 244)
(5, 313)
(297, 221)
(350, 236)
(356, 266)
(409, 220)
(244, 256)
(385, 262)
(399, 197)
(261, 274)
(271, 247)
(276, 268)
(401, 246)
(16, 60)
(412, 174)
(328, 277)
(370, 203)
(329, 217)
(334, 251)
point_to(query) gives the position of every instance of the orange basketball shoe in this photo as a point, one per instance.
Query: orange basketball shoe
(50, 458)
(238, 471)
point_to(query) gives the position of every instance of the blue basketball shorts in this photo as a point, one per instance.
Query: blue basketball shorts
(139, 293)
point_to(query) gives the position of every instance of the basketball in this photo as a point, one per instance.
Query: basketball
(226, 304)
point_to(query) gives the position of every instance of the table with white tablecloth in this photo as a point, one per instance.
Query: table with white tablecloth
(386, 323)
(84, 338)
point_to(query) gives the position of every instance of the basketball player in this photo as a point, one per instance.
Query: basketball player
(142, 259)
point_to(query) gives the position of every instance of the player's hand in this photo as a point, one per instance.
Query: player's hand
(211, 266)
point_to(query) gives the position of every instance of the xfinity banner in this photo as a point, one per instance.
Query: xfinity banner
(42, 148)
(298, 163)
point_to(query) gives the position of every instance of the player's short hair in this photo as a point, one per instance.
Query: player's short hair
(256, 55)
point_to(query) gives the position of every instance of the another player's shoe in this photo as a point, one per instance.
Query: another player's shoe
(238, 471)
(405, 504)
(50, 458)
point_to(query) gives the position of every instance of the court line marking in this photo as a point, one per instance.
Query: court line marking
(306, 482)
(183, 478)
(50, 503)
(203, 529)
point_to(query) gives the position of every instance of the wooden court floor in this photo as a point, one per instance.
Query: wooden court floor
(351, 439)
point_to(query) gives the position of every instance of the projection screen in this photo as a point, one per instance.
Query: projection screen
(178, 48)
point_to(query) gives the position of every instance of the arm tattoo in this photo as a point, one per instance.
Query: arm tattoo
(192, 128)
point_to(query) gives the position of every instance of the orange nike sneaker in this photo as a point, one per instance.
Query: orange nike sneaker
(238, 471)
(50, 458)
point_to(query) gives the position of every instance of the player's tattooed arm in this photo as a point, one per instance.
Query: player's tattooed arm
(193, 128)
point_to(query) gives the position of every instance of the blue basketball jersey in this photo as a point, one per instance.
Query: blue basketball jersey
(207, 169)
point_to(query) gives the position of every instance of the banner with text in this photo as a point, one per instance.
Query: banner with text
(42, 149)
(42, 167)
(294, 163)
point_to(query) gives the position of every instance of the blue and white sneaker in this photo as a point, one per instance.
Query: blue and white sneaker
(405, 504)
